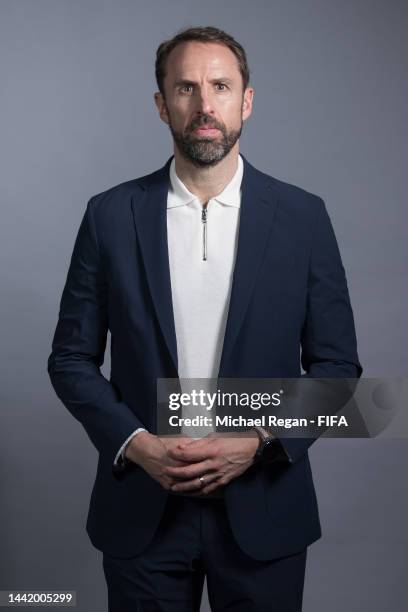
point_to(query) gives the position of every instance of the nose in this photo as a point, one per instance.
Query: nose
(204, 102)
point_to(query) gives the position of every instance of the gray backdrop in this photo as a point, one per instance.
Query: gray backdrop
(77, 116)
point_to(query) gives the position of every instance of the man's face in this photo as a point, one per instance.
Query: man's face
(204, 104)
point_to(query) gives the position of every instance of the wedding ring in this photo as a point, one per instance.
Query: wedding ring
(201, 479)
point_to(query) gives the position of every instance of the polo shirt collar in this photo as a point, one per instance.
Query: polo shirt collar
(179, 195)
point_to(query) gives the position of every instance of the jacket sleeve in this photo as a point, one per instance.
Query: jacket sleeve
(328, 339)
(78, 349)
(120, 458)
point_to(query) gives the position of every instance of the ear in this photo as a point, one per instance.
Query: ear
(247, 103)
(161, 106)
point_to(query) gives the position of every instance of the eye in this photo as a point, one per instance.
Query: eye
(222, 86)
(186, 88)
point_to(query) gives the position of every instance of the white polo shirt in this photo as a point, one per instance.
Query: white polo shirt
(201, 268)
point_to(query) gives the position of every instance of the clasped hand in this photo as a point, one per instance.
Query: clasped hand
(217, 459)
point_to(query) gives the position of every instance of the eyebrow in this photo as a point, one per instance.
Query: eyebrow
(188, 82)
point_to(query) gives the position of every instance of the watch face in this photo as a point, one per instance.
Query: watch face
(269, 449)
(273, 451)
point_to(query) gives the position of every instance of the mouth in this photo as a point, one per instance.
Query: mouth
(206, 131)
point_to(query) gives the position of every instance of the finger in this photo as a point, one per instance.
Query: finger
(194, 484)
(212, 487)
(189, 453)
(185, 441)
(189, 471)
(197, 442)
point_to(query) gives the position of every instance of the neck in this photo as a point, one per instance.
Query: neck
(206, 182)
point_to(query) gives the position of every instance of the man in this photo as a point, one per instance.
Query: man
(205, 268)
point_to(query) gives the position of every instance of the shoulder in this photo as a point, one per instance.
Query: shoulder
(292, 198)
(116, 194)
(119, 197)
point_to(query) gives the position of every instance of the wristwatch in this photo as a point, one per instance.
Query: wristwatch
(270, 448)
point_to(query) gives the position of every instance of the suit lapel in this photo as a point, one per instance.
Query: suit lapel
(150, 217)
(258, 203)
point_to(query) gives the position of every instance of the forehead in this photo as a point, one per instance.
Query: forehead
(193, 57)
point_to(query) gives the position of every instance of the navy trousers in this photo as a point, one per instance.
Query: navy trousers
(193, 541)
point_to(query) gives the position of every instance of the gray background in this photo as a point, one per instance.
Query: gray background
(77, 116)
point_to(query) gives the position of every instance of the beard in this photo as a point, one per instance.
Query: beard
(202, 151)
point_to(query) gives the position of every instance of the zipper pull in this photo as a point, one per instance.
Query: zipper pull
(204, 222)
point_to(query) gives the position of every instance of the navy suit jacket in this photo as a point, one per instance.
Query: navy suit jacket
(289, 294)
